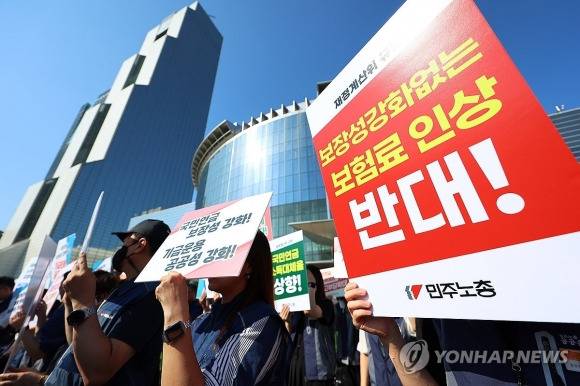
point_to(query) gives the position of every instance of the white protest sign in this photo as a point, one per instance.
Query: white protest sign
(91, 226)
(29, 282)
(333, 285)
(32, 287)
(61, 260)
(210, 242)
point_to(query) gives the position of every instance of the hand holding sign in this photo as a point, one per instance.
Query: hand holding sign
(17, 319)
(172, 294)
(80, 284)
(361, 310)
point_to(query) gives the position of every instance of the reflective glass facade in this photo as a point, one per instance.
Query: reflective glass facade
(135, 143)
(276, 154)
(568, 124)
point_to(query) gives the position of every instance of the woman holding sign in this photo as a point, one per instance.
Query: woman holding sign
(241, 341)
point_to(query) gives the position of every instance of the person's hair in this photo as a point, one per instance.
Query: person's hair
(260, 283)
(192, 284)
(319, 293)
(7, 281)
(106, 282)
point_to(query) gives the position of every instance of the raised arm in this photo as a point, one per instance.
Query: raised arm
(180, 365)
(97, 357)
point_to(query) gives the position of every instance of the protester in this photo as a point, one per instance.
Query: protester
(205, 302)
(544, 353)
(386, 329)
(313, 358)
(377, 368)
(6, 300)
(105, 284)
(51, 329)
(42, 343)
(347, 338)
(195, 307)
(22, 377)
(241, 341)
(506, 352)
(121, 343)
(364, 360)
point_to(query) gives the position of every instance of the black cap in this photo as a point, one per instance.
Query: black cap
(155, 231)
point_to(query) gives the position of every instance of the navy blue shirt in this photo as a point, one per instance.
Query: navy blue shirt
(252, 350)
(525, 338)
(52, 335)
(130, 314)
(195, 309)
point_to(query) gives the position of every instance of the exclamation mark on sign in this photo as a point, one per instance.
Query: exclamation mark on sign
(486, 156)
(299, 284)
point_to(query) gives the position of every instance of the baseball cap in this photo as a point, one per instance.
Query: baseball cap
(156, 231)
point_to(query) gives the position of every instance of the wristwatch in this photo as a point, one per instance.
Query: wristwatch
(171, 333)
(78, 316)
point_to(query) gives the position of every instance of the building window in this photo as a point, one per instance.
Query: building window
(91, 136)
(135, 69)
(35, 211)
(67, 140)
(163, 27)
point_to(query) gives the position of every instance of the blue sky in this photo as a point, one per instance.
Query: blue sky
(58, 55)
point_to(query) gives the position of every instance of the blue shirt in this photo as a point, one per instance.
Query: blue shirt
(130, 314)
(195, 309)
(524, 339)
(252, 350)
(52, 335)
(313, 355)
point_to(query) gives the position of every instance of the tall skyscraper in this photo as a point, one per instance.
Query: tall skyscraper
(135, 143)
(273, 152)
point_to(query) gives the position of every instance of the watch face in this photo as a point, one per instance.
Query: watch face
(78, 316)
(173, 332)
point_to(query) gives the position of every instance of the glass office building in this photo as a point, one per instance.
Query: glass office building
(273, 152)
(568, 124)
(134, 143)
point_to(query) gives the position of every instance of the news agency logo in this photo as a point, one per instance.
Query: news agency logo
(414, 356)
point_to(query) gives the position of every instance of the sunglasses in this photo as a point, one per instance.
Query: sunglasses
(311, 284)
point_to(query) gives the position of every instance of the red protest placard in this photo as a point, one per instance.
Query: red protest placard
(436, 148)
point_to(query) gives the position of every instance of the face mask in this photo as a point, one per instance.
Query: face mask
(121, 255)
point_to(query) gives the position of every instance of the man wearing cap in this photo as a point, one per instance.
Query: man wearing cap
(120, 343)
